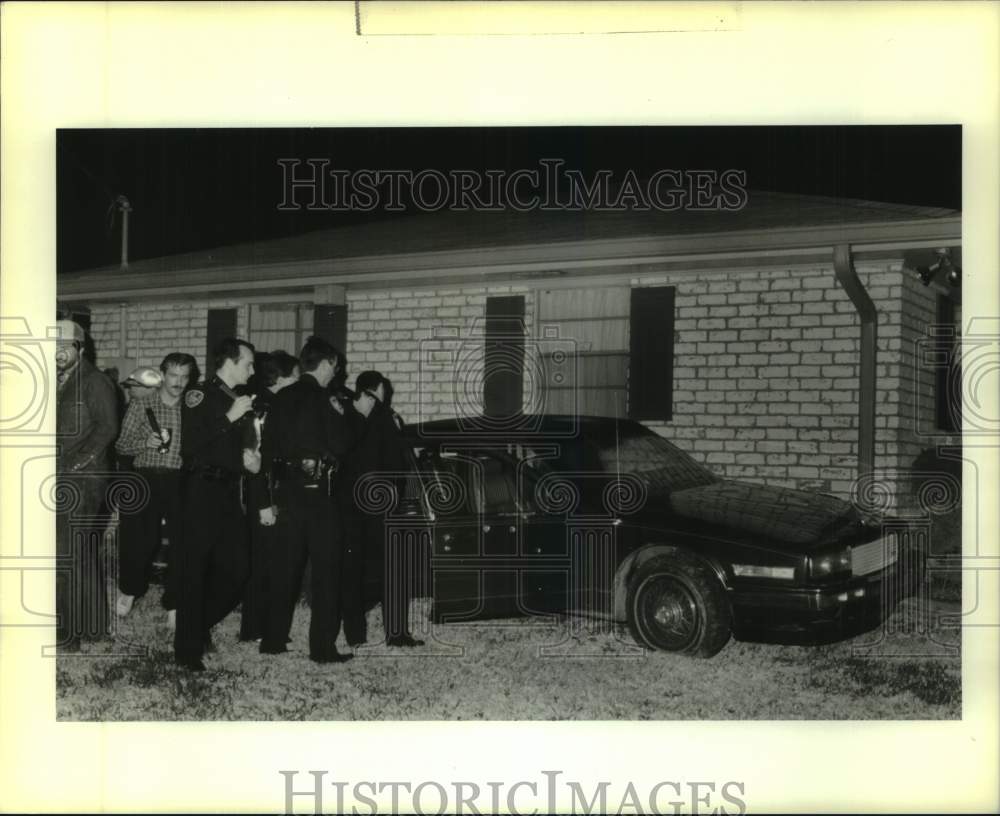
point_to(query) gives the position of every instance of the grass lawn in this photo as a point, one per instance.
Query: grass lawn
(519, 669)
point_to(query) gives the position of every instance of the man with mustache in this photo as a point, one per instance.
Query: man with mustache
(157, 459)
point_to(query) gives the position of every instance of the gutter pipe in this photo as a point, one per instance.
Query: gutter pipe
(847, 276)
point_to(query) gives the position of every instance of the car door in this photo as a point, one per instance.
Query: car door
(545, 569)
(474, 536)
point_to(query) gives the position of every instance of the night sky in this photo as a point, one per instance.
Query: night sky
(194, 189)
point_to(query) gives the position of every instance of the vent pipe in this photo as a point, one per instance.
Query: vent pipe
(125, 208)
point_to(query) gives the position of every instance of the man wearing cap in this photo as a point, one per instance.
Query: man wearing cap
(86, 423)
(152, 435)
(212, 567)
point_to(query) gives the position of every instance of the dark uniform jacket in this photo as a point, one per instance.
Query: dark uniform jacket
(210, 440)
(302, 425)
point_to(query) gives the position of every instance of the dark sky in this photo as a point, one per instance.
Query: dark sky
(193, 189)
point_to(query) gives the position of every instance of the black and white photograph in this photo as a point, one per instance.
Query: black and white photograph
(463, 407)
(511, 423)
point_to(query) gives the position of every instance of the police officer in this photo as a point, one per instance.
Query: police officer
(304, 438)
(378, 449)
(213, 562)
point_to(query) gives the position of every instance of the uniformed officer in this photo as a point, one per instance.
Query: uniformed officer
(304, 438)
(378, 449)
(213, 563)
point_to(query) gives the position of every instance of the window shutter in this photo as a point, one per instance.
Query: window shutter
(503, 375)
(651, 353)
(221, 324)
(330, 323)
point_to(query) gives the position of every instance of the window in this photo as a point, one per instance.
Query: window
(621, 344)
(595, 324)
(280, 326)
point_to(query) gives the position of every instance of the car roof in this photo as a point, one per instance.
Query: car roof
(526, 427)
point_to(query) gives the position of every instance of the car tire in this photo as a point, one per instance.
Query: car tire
(676, 604)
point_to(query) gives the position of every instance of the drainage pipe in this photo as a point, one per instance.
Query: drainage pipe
(847, 275)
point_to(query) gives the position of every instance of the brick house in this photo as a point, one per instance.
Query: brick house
(728, 332)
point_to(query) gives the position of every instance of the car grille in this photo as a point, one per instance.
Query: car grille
(876, 555)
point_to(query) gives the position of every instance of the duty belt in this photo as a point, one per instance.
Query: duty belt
(311, 473)
(215, 474)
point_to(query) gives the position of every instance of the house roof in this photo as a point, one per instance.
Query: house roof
(398, 249)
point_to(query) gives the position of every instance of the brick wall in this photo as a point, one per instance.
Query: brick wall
(154, 330)
(766, 362)
(430, 343)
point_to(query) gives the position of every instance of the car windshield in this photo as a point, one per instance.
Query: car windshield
(637, 452)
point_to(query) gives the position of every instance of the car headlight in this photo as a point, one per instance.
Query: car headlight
(833, 563)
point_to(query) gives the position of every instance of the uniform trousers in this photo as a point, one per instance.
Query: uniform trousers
(307, 527)
(140, 535)
(256, 598)
(213, 563)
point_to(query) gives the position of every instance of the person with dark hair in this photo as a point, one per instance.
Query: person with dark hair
(272, 372)
(304, 438)
(152, 435)
(87, 423)
(213, 555)
(378, 449)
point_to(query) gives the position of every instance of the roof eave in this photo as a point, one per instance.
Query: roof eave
(424, 267)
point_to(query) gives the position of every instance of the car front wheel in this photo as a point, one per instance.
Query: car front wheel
(675, 604)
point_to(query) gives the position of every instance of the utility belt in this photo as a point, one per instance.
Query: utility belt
(212, 473)
(306, 473)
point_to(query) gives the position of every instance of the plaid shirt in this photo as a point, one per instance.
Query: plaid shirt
(136, 430)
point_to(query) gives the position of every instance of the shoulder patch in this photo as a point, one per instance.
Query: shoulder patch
(194, 397)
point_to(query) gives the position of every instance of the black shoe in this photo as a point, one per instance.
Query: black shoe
(210, 644)
(194, 665)
(403, 640)
(335, 657)
(267, 648)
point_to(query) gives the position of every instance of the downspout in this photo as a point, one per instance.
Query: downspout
(847, 275)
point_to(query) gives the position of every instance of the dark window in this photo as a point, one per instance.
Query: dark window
(651, 353)
(221, 324)
(948, 368)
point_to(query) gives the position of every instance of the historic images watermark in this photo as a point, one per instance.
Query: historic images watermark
(315, 184)
(550, 794)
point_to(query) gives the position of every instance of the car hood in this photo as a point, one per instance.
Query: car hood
(775, 513)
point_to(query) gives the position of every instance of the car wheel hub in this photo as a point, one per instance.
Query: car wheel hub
(671, 611)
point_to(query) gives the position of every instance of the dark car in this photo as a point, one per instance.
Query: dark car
(605, 517)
